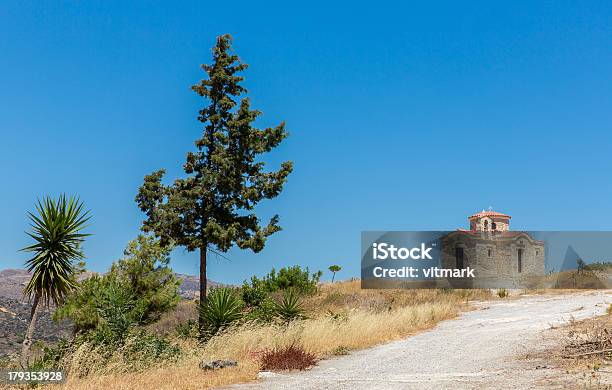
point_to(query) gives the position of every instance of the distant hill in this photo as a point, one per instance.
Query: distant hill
(190, 287)
(15, 314)
(12, 282)
(14, 317)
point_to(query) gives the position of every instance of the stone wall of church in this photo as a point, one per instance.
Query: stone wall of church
(492, 257)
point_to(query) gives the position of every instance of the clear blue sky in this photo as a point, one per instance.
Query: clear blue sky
(401, 117)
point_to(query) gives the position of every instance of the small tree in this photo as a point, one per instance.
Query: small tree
(144, 269)
(580, 264)
(140, 286)
(57, 232)
(333, 269)
(213, 207)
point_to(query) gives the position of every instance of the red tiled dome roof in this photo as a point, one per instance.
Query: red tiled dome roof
(494, 214)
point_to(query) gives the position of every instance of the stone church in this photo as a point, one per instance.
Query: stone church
(494, 251)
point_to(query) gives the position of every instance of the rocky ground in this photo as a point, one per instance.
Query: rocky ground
(14, 317)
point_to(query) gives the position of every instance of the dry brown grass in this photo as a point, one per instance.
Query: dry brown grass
(586, 343)
(577, 353)
(342, 317)
(185, 310)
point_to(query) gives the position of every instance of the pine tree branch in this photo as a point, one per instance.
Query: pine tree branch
(218, 254)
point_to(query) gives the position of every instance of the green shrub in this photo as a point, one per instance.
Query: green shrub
(265, 312)
(119, 310)
(143, 350)
(254, 294)
(223, 307)
(289, 307)
(137, 290)
(145, 272)
(51, 356)
(599, 266)
(296, 278)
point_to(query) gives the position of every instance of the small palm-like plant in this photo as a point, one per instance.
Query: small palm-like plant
(222, 308)
(56, 231)
(333, 269)
(289, 307)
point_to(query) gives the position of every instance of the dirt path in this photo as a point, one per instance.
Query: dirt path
(480, 349)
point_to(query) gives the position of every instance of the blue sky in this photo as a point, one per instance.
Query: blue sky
(402, 117)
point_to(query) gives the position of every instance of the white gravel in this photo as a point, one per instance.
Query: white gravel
(480, 349)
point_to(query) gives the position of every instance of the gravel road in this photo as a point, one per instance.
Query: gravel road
(480, 349)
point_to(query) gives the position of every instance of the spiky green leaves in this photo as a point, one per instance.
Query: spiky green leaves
(56, 231)
(222, 308)
(289, 307)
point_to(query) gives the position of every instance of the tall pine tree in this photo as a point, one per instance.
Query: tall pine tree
(212, 208)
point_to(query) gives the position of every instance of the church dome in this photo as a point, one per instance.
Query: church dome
(490, 214)
(489, 221)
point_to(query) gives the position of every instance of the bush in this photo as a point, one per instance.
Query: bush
(119, 310)
(502, 293)
(294, 278)
(254, 294)
(137, 290)
(143, 350)
(289, 308)
(265, 312)
(108, 312)
(287, 358)
(51, 356)
(598, 266)
(144, 270)
(223, 307)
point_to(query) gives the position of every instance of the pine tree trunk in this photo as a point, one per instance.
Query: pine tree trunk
(203, 285)
(27, 340)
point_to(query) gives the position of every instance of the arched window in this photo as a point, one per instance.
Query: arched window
(493, 226)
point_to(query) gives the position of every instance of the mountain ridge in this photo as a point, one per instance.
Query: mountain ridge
(13, 280)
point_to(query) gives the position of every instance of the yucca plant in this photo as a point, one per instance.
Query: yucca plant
(223, 307)
(56, 231)
(289, 307)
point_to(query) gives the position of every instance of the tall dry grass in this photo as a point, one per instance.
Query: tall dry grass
(324, 335)
(341, 317)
